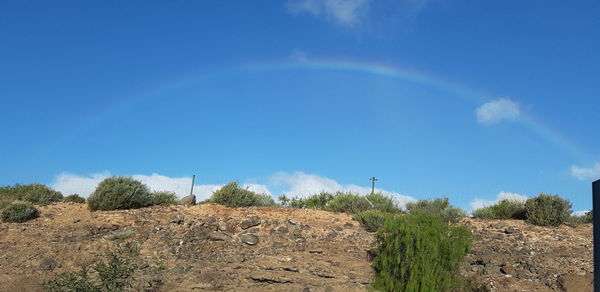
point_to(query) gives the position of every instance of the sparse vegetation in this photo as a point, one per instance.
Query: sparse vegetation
(547, 210)
(348, 203)
(74, 198)
(4, 204)
(383, 203)
(113, 273)
(231, 195)
(116, 193)
(419, 252)
(372, 220)
(505, 209)
(164, 198)
(439, 207)
(18, 212)
(117, 235)
(34, 193)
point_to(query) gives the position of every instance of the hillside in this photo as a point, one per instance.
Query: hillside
(213, 248)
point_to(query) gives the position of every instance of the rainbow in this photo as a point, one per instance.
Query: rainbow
(469, 94)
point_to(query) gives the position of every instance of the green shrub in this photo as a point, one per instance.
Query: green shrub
(74, 198)
(233, 196)
(4, 203)
(372, 220)
(114, 273)
(505, 209)
(34, 193)
(575, 220)
(438, 207)
(419, 252)
(316, 201)
(383, 203)
(19, 212)
(117, 235)
(348, 203)
(547, 210)
(117, 193)
(164, 198)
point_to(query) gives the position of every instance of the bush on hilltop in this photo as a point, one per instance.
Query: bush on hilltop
(232, 196)
(117, 193)
(547, 210)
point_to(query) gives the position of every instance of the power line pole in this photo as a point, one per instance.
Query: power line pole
(373, 180)
(193, 179)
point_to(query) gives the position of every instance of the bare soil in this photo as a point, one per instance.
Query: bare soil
(214, 248)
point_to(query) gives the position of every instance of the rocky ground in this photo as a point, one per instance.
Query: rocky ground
(214, 248)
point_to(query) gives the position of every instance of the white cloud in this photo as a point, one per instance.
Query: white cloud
(583, 173)
(69, 183)
(347, 13)
(497, 110)
(480, 203)
(301, 184)
(580, 213)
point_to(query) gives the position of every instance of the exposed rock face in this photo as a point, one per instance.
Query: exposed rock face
(188, 200)
(511, 255)
(576, 283)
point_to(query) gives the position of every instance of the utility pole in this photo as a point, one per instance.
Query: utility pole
(193, 179)
(596, 223)
(373, 180)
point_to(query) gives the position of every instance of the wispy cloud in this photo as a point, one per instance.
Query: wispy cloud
(358, 13)
(583, 173)
(347, 13)
(480, 203)
(497, 110)
(299, 56)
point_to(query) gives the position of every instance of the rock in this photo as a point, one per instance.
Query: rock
(222, 226)
(511, 230)
(218, 236)
(576, 283)
(249, 238)
(507, 270)
(282, 229)
(188, 200)
(250, 222)
(49, 264)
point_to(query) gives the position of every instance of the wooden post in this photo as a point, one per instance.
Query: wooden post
(193, 179)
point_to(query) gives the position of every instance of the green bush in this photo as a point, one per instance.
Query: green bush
(164, 198)
(419, 252)
(34, 193)
(117, 193)
(348, 203)
(231, 195)
(505, 209)
(316, 201)
(114, 273)
(74, 198)
(19, 212)
(438, 207)
(547, 210)
(4, 203)
(575, 220)
(372, 220)
(383, 203)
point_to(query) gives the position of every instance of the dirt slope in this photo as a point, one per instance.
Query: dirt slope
(213, 248)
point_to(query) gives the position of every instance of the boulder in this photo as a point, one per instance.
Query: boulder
(250, 222)
(188, 200)
(249, 238)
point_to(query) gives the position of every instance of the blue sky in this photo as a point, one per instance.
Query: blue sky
(475, 101)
